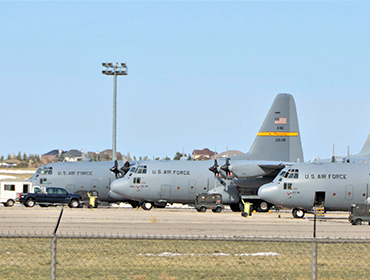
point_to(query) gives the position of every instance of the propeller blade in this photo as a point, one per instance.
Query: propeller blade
(226, 166)
(214, 168)
(114, 169)
(125, 168)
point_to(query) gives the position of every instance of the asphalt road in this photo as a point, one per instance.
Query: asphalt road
(179, 222)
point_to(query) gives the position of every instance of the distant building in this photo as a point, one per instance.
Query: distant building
(72, 155)
(76, 155)
(51, 156)
(227, 154)
(203, 154)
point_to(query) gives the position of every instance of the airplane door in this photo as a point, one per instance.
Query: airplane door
(349, 192)
(165, 192)
(319, 198)
(192, 186)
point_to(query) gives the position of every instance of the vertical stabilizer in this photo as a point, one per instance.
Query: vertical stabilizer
(365, 149)
(279, 138)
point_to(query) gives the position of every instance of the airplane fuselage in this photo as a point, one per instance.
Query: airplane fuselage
(170, 181)
(76, 176)
(334, 185)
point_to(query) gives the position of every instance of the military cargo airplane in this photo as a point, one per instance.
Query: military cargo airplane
(82, 176)
(334, 186)
(277, 143)
(362, 156)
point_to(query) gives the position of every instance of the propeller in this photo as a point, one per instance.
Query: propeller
(226, 167)
(120, 172)
(115, 169)
(125, 168)
(214, 169)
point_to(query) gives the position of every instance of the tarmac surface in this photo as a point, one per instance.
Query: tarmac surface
(174, 221)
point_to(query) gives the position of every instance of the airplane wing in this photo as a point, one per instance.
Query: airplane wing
(270, 168)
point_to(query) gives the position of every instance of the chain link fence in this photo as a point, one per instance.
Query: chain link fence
(176, 257)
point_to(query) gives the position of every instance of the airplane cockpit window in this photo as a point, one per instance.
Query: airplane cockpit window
(291, 174)
(137, 180)
(45, 170)
(141, 169)
(288, 186)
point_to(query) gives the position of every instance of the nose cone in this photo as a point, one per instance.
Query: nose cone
(119, 188)
(269, 192)
(115, 196)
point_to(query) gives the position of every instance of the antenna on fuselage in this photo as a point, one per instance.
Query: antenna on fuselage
(348, 154)
(333, 156)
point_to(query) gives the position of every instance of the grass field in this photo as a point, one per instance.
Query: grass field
(82, 258)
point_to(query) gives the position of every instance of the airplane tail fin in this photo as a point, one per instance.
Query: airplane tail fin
(278, 138)
(365, 149)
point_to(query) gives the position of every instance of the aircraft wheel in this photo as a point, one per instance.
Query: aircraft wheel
(358, 222)
(30, 202)
(202, 209)
(9, 203)
(217, 210)
(263, 206)
(147, 205)
(298, 213)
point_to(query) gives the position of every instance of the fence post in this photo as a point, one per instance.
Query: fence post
(314, 260)
(53, 261)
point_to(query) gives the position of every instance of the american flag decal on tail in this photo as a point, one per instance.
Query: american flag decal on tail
(280, 120)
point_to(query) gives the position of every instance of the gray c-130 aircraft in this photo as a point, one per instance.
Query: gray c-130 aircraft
(277, 143)
(333, 185)
(83, 176)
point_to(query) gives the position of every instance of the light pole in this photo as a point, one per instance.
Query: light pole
(114, 70)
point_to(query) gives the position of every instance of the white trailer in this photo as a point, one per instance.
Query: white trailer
(10, 191)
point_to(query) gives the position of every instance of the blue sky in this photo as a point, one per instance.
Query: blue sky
(200, 74)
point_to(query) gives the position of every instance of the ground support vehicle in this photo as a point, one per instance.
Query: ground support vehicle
(204, 201)
(52, 196)
(360, 212)
(10, 190)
